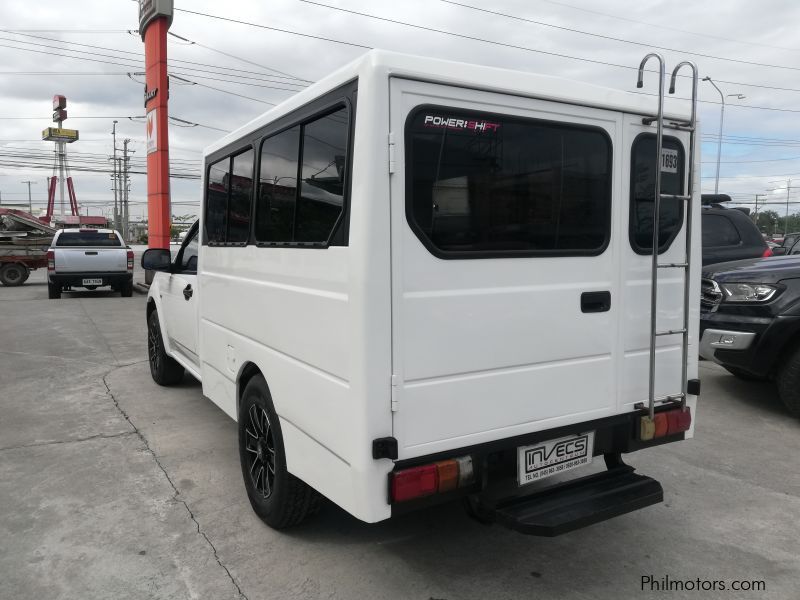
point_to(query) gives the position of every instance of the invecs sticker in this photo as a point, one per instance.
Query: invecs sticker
(461, 124)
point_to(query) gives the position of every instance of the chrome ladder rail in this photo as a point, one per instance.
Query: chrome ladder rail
(691, 127)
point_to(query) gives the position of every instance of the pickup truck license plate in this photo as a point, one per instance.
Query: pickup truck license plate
(92, 282)
(552, 457)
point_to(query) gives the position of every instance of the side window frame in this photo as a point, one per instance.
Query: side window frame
(647, 251)
(229, 156)
(192, 232)
(483, 254)
(339, 228)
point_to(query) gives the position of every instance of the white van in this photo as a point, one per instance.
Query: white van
(418, 281)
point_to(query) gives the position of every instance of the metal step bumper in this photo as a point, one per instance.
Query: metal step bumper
(579, 502)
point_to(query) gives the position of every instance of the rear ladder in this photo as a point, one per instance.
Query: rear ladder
(691, 127)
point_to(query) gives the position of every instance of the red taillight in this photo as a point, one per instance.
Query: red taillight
(130, 260)
(767, 252)
(425, 480)
(51, 260)
(665, 423)
(414, 483)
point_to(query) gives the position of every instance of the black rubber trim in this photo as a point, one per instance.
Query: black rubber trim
(385, 447)
(693, 387)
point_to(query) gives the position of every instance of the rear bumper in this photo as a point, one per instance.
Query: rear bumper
(76, 279)
(495, 463)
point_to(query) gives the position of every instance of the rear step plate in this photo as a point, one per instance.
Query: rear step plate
(579, 502)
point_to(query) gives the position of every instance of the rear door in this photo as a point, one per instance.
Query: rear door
(638, 185)
(505, 287)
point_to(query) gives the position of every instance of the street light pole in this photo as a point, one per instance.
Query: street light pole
(721, 119)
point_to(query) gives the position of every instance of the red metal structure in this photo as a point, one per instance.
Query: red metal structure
(155, 17)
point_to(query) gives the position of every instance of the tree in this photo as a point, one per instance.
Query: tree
(766, 222)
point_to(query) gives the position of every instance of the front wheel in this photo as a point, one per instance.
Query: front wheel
(788, 381)
(164, 369)
(279, 498)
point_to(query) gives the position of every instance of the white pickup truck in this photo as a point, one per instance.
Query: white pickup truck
(89, 258)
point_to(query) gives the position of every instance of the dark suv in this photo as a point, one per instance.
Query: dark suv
(750, 321)
(728, 233)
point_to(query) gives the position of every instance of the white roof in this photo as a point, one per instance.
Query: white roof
(380, 63)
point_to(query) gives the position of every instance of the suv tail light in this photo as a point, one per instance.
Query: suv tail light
(51, 260)
(130, 260)
(767, 252)
(435, 478)
(665, 423)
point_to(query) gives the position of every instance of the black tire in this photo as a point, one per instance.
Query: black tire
(13, 274)
(279, 498)
(788, 381)
(127, 289)
(53, 291)
(26, 275)
(743, 375)
(164, 369)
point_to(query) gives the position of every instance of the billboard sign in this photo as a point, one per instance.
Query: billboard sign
(58, 134)
(152, 131)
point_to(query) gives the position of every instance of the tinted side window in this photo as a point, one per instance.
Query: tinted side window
(719, 231)
(277, 187)
(322, 182)
(217, 201)
(241, 186)
(482, 185)
(643, 192)
(189, 255)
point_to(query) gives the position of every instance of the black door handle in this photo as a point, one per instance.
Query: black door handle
(594, 302)
(187, 291)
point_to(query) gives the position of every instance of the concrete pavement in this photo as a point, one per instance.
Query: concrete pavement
(113, 487)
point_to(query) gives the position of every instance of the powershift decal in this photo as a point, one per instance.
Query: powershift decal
(461, 124)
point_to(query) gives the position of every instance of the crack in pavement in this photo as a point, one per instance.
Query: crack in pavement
(175, 497)
(97, 436)
(99, 332)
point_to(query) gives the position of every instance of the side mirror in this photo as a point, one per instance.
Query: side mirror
(779, 251)
(157, 259)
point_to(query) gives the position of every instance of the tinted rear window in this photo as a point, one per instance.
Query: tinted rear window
(482, 185)
(643, 184)
(88, 239)
(719, 231)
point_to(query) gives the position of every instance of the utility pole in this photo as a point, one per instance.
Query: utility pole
(788, 193)
(30, 202)
(114, 174)
(755, 213)
(125, 189)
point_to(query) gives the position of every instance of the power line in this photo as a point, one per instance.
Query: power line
(308, 35)
(244, 60)
(139, 55)
(88, 57)
(667, 27)
(578, 31)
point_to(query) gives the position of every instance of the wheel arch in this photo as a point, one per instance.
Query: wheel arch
(248, 370)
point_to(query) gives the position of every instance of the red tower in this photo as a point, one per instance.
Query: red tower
(155, 17)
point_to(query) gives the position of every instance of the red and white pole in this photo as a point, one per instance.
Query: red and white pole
(155, 17)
